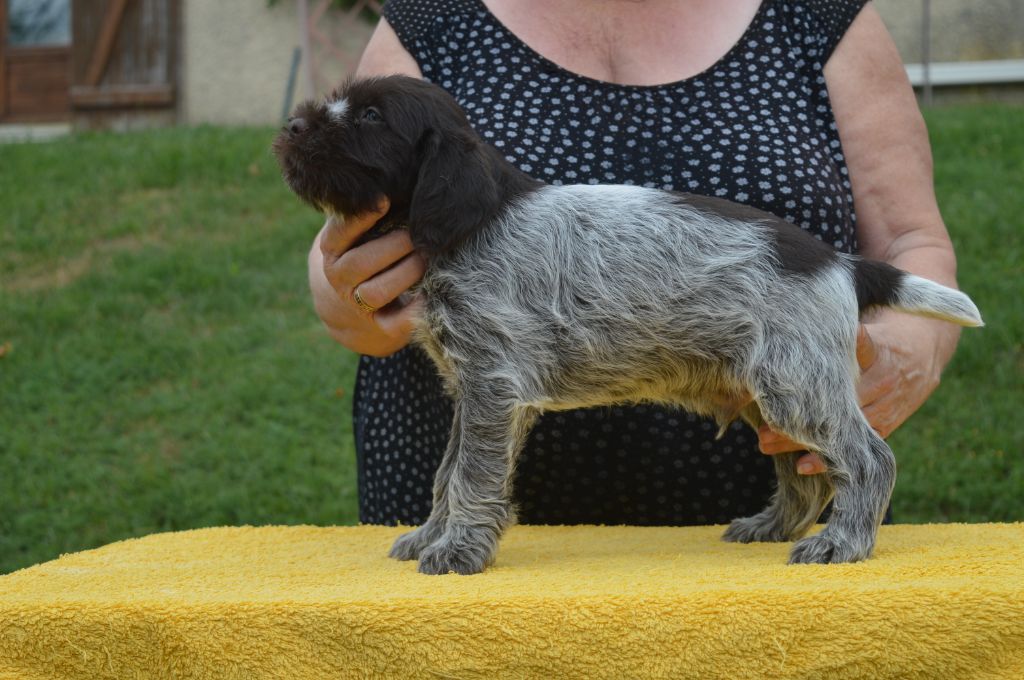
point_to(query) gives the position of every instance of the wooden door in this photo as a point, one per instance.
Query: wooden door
(124, 63)
(34, 60)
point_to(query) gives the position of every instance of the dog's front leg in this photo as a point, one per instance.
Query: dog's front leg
(410, 545)
(477, 481)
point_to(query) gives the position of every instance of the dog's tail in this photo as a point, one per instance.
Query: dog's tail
(881, 284)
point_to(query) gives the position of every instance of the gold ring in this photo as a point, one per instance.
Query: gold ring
(363, 304)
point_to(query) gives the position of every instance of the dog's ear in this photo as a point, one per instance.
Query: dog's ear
(456, 191)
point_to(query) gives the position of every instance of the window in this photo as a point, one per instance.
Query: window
(33, 23)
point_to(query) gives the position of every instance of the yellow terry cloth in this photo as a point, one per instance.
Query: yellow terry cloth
(938, 601)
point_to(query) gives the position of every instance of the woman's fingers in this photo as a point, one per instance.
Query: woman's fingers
(398, 321)
(904, 372)
(810, 464)
(340, 234)
(772, 443)
(367, 260)
(382, 289)
(875, 383)
(379, 271)
(867, 351)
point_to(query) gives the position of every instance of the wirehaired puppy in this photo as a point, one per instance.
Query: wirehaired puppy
(540, 298)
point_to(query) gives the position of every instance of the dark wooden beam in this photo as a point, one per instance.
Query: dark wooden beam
(105, 43)
(3, 58)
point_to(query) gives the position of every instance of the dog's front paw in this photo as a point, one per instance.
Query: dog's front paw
(825, 549)
(462, 551)
(409, 546)
(445, 559)
(756, 529)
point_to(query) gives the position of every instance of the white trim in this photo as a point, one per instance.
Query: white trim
(968, 72)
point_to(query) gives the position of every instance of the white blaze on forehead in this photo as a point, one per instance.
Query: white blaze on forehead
(338, 108)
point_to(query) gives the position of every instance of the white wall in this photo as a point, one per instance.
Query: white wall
(236, 55)
(961, 30)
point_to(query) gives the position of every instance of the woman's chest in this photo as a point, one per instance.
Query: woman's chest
(629, 42)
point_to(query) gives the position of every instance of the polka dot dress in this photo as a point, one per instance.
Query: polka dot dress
(756, 128)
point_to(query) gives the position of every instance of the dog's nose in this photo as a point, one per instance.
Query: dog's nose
(297, 126)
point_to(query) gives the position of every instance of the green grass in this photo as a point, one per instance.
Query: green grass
(961, 457)
(165, 369)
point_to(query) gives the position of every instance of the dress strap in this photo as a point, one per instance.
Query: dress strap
(821, 24)
(424, 26)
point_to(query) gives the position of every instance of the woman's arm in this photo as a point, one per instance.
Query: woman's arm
(381, 269)
(885, 142)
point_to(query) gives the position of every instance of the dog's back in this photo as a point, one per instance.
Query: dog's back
(621, 294)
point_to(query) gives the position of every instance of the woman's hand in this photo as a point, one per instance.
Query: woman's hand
(900, 362)
(377, 272)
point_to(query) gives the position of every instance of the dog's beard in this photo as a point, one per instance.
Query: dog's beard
(305, 179)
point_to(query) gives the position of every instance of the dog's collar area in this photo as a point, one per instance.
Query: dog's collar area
(384, 226)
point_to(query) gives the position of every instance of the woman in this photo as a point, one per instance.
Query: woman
(800, 108)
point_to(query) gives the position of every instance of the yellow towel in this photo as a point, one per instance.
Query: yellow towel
(937, 601)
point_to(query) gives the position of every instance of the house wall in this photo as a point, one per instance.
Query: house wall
(961, 30)
(237, 53)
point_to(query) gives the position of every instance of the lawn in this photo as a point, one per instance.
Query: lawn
(161, 367)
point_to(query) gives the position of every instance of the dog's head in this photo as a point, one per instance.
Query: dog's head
(401, 138)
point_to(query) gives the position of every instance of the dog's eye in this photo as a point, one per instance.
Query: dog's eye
(372, 115)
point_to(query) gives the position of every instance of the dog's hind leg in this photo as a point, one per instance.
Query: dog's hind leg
(862, 469)
(824, 416)
(797, 503)
(476, 485)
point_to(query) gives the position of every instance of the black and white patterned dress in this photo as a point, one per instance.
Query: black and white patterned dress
(756, 128)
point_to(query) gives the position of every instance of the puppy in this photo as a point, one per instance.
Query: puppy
(540, 298)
